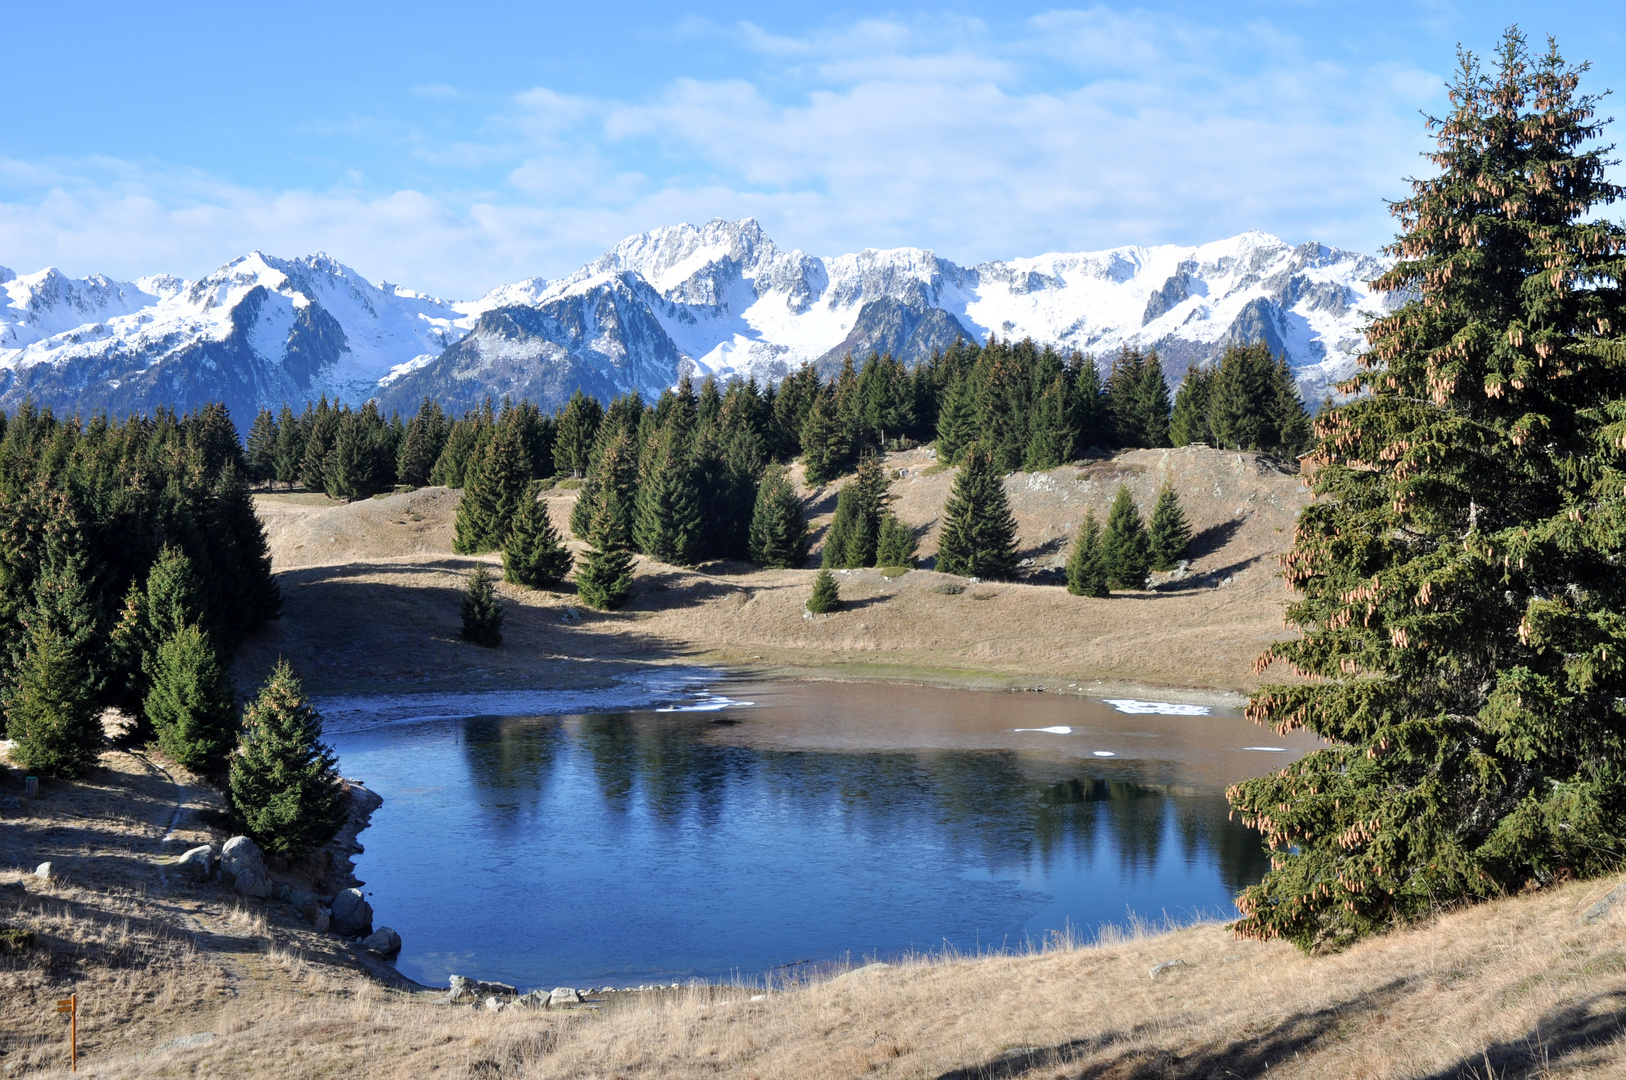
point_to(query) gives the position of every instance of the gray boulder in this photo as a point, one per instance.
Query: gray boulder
(563, 995)
(322, 920)
(45, 870)
(241, 859)
(383, 941)
(197, 863)
(352, 914)
(1603, 907)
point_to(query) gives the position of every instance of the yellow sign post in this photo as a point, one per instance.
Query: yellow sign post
(70, 1005)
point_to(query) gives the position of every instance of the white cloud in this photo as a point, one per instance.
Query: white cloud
(1075, 130)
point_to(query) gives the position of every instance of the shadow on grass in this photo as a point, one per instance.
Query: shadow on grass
(1565, 1033)
(1242, 1058)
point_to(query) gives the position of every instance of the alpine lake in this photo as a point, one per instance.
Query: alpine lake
(763, 830)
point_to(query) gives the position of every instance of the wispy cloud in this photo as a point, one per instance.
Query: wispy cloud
(1077, 129)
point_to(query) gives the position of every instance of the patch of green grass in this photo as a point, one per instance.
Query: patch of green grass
(890, 572)
(933, 470)
(568, 485)
(15, 939)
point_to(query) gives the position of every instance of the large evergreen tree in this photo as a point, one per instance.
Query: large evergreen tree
(895, 547)
(494, 488)
(424, 440)
(1189, 422)
(284, 785)
(1123, 545)
(534, 555)
(669, 525)
(578, 426)
(1086, 571)
(1460, 590)
(604, 577)
(779, 537)
(956, 420)
(262, 448)
(1168, 534)
(52, 713)
(979, 532)
(856, 527)
(1050, 431)
(191, 705)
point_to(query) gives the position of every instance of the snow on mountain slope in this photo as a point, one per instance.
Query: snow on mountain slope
(259, 330)
(719, 298)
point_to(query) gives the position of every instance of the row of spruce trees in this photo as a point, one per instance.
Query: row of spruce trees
(1030, 406)
(132, 566)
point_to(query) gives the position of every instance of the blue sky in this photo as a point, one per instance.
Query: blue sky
(454, 148)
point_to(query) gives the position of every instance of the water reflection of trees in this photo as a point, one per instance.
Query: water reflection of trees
(1011, 811)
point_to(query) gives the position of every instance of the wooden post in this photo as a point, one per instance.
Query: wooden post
(70, 1005)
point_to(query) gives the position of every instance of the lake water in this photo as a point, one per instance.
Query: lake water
(759, 828)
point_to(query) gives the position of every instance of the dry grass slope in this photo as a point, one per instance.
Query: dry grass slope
(372, 594)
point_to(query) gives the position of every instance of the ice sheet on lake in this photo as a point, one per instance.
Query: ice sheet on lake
(1057, 730)
(707, 704)
(1269, 749)
(1160, 708)
(1105, 753)
(640, 690)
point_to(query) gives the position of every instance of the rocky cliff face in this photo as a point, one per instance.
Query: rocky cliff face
(720, 298)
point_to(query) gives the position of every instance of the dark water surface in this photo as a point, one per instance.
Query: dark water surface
(820, 822)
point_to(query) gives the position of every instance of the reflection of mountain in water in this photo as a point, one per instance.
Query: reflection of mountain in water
(1013, 811)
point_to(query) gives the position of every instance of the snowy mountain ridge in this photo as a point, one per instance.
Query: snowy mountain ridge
(719, 298)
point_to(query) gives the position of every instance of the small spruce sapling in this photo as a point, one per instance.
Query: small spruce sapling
(826, 597)
(1086, 572)
(482, 611)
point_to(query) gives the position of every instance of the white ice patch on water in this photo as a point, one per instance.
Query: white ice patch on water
(1105, 753)
(708, 704)
(1268, 749)
(1058, 730)
(1160, 708)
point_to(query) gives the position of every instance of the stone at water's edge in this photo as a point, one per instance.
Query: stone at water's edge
(197, 863)
(383, 941)
(563, 995)
(241, 859)
(352, 914)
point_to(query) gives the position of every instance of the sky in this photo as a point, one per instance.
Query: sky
(455, 148)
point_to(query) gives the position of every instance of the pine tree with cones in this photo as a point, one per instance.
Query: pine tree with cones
(1459, 590)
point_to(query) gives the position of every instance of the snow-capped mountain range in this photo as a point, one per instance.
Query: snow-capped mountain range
(720, 298)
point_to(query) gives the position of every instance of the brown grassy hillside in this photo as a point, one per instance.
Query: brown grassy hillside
(372, 593)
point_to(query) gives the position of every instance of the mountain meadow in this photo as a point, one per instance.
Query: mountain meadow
(1401, 562)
